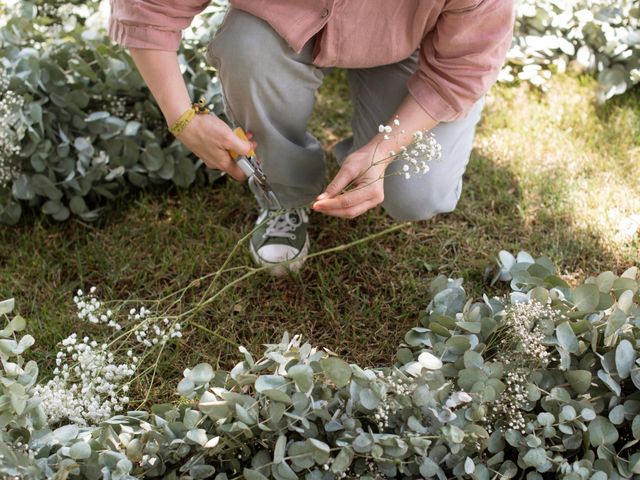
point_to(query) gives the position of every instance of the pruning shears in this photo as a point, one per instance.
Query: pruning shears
(256, 178)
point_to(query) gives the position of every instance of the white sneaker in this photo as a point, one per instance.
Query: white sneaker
(282, 238)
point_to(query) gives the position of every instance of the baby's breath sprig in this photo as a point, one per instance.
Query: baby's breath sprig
(89, 385)
(12, 130)
(519, 345)
(416, 157)
(91, 380)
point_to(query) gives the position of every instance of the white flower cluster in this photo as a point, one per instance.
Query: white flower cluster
(88, 384)
(418, 154)
(506, 411)
(65, 16)
(91, 310)
(521, 350)
(25, 449)
(117, 106)
(388, 405)
(149, 333)
(373, 471)
(522, 332)
(12, 129)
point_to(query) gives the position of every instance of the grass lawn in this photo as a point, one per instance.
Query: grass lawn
(551, 173)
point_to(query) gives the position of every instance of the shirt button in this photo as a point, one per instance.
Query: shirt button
(324, 12)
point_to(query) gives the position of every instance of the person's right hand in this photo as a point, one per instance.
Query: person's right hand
(211, 139)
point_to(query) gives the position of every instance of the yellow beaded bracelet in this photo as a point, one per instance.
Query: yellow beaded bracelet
(180, 124)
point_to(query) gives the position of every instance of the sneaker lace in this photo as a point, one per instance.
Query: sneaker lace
(286, 223)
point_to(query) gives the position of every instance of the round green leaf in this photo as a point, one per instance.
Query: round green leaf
(625, 358)
(338, 371)
(21, 188)
(202, 373)
(185, 172)
(586, 297)
(362, 443)
(300, 455)
(535, 457)
(251, 474)
(302, 375)
(429, 361)
(602, 432)
(546, 419)
(369, 399)
(635, 427)
(342, 461)
(78, 205)
(473, 359)
(186, 387)
(7, 306)
(616, 415)
(567, 338)
(269, 382)
(80, 451)
(625, 301)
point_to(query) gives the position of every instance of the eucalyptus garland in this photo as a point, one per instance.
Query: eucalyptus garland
(541, 382)
(601, 37)
(78, 126)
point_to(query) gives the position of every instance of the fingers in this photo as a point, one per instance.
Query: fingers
(254, 144)
(343, 201)
(220, 159)
(233, 170)
(352, 203)
(211, 140)
(344, 176)
(235, 143)
(351, 212)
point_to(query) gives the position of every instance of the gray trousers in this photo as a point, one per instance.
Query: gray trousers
(269, 90)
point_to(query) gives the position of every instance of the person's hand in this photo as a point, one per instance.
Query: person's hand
(211, 139)
(365, 173)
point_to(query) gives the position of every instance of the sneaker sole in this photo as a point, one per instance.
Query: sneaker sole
(280, 269)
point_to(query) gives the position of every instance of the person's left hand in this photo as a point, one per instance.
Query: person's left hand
(367, 190)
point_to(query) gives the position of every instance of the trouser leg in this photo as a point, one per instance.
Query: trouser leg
(269, 90)
(376, 94)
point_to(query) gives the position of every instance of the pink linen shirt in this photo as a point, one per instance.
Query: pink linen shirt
(462, 43)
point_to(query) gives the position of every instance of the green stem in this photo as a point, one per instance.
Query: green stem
(189, 314)
(211, 332)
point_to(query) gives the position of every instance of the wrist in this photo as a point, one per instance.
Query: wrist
(196, 108)
(172, 112)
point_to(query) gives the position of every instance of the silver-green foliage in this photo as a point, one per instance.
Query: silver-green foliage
(297, 412)
(89, 128)
(599, 36)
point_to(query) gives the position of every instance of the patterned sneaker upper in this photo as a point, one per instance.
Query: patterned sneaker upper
(282, 237)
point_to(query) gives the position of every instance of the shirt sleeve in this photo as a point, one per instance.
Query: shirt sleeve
(153, 24)
(461, 57)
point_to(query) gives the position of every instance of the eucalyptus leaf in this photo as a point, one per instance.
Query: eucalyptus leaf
(302, 375)
(602, 432)
(625, 358)
(337, 370)
(567, 338)
(7, 306)
(586, 297)
(251, 474)
(80, 451)
(580, 380)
